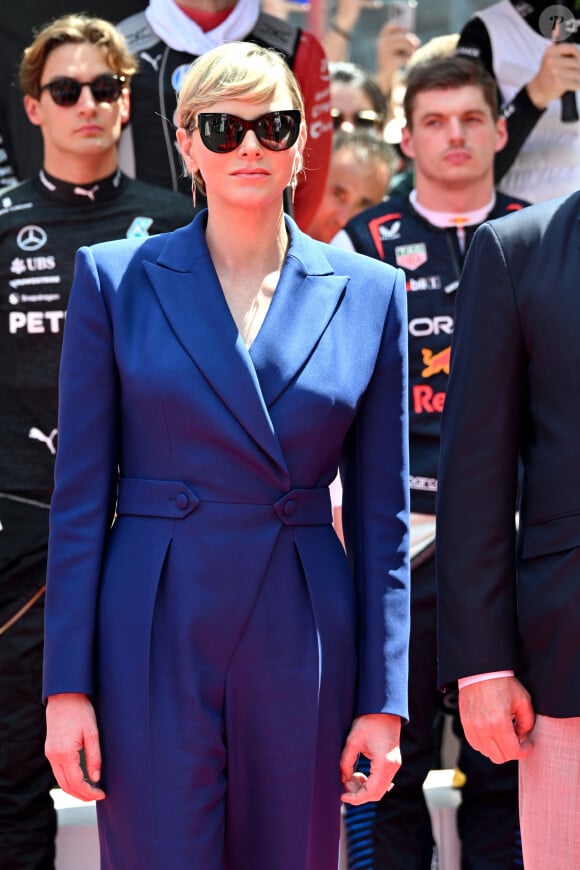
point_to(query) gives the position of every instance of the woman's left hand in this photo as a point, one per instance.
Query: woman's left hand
(376, 736)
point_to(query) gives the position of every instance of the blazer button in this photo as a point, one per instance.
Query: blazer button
(289, 507)
(181, 501)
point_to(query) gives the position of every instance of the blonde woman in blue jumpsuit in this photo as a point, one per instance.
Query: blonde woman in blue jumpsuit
(208, 643)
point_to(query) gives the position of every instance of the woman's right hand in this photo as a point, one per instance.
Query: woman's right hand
(71, 727)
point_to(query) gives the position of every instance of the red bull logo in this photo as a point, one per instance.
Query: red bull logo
(435, 363)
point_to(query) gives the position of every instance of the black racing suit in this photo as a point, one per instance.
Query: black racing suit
(7, 173)
(488, 815)
(43, 222)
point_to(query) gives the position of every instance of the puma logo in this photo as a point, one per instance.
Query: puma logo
(154, 61)
(84, 191)
(38, 435)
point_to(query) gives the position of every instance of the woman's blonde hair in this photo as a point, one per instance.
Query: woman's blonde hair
(235, 70)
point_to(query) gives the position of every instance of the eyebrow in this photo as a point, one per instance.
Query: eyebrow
(432, 114)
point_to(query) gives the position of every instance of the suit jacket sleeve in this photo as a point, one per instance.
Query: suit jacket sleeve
(375, 476)
(481, 429)
(85, 477)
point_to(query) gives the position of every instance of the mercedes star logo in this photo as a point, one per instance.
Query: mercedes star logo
(31, 238)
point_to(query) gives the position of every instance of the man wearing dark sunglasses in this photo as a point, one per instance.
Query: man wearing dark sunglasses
(364, 119)
(75, 76)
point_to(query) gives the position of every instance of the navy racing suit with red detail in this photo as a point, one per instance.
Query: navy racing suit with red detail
(400, 831)
(432, 259)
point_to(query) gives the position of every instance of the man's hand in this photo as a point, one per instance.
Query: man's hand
(394, 48)
(559, 72)
(497, 717)
(377, 737)
(71, 726)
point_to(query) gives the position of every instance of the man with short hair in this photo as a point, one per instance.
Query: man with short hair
(361, 167)
(75, 76)
(453, 132)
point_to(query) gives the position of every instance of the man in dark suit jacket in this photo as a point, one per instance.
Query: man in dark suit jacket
(509, 598)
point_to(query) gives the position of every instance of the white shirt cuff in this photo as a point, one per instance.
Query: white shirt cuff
(479, 678)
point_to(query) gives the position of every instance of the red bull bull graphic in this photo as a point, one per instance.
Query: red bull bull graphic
(435, 363)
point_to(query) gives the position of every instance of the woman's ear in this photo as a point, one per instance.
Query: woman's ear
(302, 136)
(184, 142)
(299, 156)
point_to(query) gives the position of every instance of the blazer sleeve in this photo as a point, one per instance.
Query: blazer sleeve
(478, 470)
(85, 483)
(375, 476)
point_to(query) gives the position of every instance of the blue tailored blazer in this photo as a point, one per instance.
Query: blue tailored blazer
(168, 422)
(510, 598)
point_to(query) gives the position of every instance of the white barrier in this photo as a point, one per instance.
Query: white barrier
(442, 800)
(77, 845)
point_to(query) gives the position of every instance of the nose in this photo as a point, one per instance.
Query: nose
(456, 130)
(339, 215)
(86, 100)
(250, 143)
(344, 213)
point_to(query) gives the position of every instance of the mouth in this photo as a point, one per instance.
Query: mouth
(250, 173)
(90, 130)
(457, 156)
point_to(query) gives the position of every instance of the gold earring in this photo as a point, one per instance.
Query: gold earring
(293, 186)
(193, 191)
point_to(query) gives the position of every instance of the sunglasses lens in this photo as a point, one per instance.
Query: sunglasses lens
(363, 120)
(106, 89)
(369, 120)
(365, 123)
(278, 131)
(222, 133)
(65, 92)
(336, 118)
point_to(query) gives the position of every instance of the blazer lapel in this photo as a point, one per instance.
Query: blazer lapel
(304, 303)
(188, 290)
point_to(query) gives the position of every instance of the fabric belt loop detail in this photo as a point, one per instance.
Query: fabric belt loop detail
(305, 507)
(170, 499)
(173, 499)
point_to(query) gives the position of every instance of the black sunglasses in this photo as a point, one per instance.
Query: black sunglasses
(66, 91)
(221, 132)
(365, 119)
